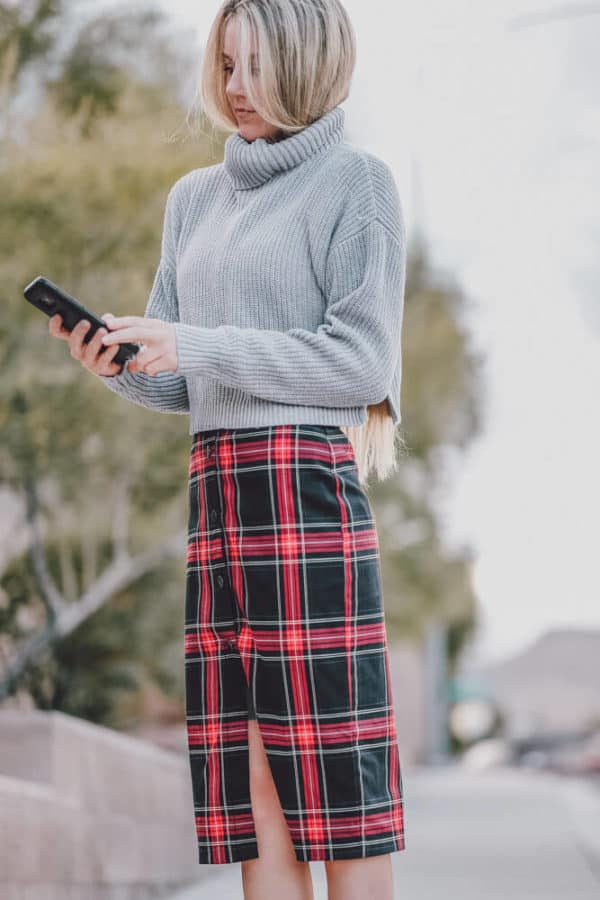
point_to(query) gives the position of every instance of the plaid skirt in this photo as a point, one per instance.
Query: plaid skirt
(284, 620)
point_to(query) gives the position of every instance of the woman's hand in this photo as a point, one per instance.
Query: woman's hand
(159, 350)
(90, 355)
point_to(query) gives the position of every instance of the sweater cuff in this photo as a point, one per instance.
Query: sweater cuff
(197, 352)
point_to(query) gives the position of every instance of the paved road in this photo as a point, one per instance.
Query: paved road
(505, 835)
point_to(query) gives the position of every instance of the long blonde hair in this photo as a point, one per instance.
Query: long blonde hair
(307, 53)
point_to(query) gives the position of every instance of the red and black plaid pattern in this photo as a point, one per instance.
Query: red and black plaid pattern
(284, 599)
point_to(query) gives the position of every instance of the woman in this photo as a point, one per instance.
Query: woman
(274, 321)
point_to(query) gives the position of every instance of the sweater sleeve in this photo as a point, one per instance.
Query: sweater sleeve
(348, 361)
(167, 391)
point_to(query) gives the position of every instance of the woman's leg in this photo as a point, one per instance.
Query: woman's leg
(356, 879)
(276, 873)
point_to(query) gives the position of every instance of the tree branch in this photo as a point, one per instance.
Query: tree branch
(122, 572)
(51, 596)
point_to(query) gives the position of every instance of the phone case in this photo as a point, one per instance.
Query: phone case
(47, 296)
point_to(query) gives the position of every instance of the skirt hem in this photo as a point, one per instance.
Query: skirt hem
(303, 855)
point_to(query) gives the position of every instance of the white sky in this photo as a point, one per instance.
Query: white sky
(504, 126)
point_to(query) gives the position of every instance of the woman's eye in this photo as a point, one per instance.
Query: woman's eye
(254, 71)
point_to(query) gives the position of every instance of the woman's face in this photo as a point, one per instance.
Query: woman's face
(250, 124)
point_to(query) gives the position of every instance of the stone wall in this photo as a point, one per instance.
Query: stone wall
(87, 813)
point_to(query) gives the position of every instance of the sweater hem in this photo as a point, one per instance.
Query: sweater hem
(301, 415)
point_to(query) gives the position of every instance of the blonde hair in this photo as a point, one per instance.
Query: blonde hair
(307, 54)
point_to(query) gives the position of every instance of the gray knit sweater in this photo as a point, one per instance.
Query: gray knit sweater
(284, 269)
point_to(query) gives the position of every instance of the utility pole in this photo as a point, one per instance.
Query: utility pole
(437, 744)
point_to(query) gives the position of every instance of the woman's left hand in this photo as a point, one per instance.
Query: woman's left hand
(159, 353)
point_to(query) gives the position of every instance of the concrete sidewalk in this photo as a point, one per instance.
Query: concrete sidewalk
(510, 834)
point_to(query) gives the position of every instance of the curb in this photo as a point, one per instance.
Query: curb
(582, 801)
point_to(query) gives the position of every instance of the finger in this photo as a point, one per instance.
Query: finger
(123, 321)
(108, 367)
(94, 345)
(109, 353)
(157, 366)
(76, 337)
(106, 363)
(140, 360)
(60, 325)
(144, 358)
(135, 333)
(150, 366)
(56, 328)
(99, 359)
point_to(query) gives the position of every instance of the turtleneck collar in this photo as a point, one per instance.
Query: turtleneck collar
(251, 163)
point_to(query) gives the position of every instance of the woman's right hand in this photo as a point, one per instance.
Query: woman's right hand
(89, 355)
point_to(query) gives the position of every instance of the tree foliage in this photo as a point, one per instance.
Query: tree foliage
(94, 608)
(423, 576)
(103, 482)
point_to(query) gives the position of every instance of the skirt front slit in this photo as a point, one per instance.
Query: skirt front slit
(284, 622)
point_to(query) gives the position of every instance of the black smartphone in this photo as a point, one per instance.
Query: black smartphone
(51, 299)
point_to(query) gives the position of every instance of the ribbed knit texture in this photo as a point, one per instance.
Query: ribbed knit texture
(284, 269)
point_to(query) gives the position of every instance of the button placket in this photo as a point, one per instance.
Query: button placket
(220, 583)
(239, 611)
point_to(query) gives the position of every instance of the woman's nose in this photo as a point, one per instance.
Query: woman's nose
(234, 83)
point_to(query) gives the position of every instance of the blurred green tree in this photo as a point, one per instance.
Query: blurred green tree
(91, 609)
(29, 32)
(103, 482)
(423, 577)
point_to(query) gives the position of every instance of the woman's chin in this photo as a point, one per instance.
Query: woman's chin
(248, 131)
